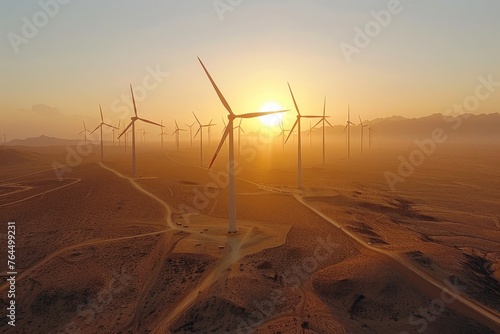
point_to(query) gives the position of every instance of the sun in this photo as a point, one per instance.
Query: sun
(271, 120)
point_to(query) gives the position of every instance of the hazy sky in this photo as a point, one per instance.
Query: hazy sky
(428, 57)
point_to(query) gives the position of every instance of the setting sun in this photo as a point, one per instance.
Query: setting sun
(271, 120)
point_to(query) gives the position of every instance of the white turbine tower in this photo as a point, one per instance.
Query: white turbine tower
(100, 127)
(229, 132)
(348, 128)
(200, 131)
(299, 141)
(84, 131)
(362, 132)
(132, 124)
(324, 120)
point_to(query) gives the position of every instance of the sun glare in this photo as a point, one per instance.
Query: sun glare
(271, 120)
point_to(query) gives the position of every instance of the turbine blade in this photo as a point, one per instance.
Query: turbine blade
(258, 114)
(311, 116)
(176, 125)
(319, 122)
(345, 128)
(197, 120)
(111, 126)
(324, 107)
(293, 97)
(328, 123)
(223, 139)
(291, 131)
(150, 122)
(133, 100)
(96, 128)
(221, 97)
(197, 132)
(242, 130)
(360, 121)
(128, 126)
(102, 118)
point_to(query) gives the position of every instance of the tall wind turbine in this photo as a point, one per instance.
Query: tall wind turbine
(200, 131)
(144, 133)
(324, 120)
(84, 131)
(240, 130)
(229, 132)
(162, 134)
(299, 141)
(132, 124)
(348, 128)
(177, 134)
(100, 127)
(190, 132)
(363, 126)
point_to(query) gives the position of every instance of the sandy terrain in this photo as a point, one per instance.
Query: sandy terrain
(100, 252)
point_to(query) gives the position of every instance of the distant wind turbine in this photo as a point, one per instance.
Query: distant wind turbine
(177, 133)
(200, 131)
(132, 124)
(114, 129)
(100, 127)
(240, 130)
(348, 128)
(363, 126)
(84, 131)
(162, 134)
(282, 135)
(299, 146)
(229, 132)
(210, 131)
(190, 132)
(324, 120)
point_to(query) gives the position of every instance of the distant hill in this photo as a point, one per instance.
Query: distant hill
(42, 141)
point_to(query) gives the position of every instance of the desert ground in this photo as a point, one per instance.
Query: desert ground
(101, 252)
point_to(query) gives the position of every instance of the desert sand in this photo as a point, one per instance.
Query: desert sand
(100, 252)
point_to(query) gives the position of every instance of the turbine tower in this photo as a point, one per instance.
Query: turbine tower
(132, 124)
(200, 131)
(229, 133)
(362, 132)
(100, 127)
(299, 141)
(348, 128)
(324, 120)
(84, 131)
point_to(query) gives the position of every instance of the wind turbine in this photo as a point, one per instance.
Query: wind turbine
(324, 120)
(100, 127)
(177, 133)
(162, 134)
(348, 128)
(240, 130)
(370, 130)
(282, 134)
(209, 131)
(229, 132)
(144, 133)
(299, 141)
(84, 131)
(309, 133)
(362, 132)
(132, 124)
(113, 130)
(190, 132)
(200, 131)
